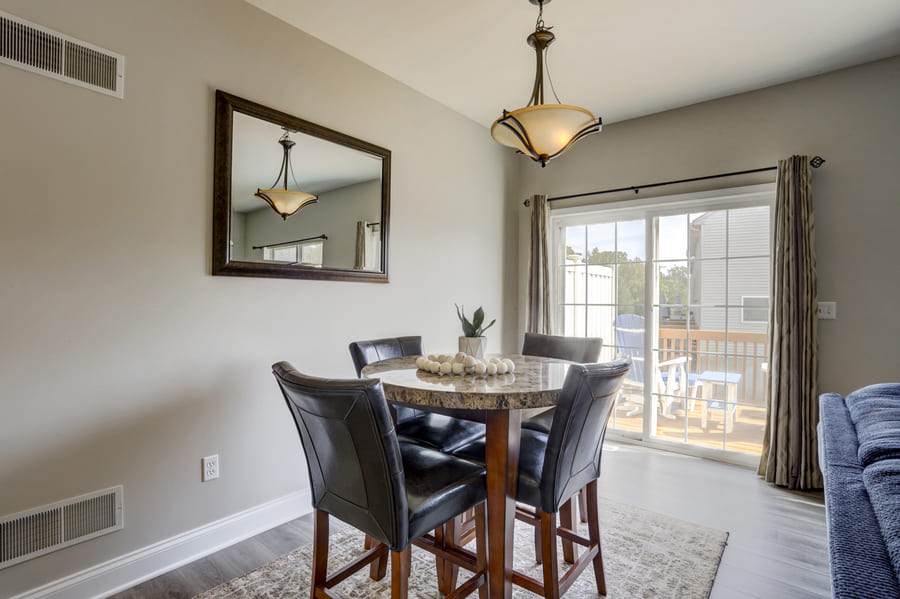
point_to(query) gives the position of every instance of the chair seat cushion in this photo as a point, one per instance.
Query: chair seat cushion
(540, 422)
(438, 487)
(439, 432)
(532, 449)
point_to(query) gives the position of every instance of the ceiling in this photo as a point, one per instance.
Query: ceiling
(618, 58)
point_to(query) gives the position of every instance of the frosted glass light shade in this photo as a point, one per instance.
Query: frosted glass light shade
(544, 131)
(284, 201)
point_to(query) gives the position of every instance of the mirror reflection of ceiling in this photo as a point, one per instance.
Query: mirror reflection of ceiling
(318, 165)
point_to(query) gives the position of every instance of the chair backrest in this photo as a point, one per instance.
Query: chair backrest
(630, 342)
(579, 425)
(366, 352)
(355, 468)
(576, 349)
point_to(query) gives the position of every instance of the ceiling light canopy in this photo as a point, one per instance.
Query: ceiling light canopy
(285, 201)
(543, 131)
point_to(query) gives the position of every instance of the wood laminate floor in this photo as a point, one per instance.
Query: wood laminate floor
(776, 547)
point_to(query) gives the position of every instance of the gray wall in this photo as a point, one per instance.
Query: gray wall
(122, 360)
(851, 118)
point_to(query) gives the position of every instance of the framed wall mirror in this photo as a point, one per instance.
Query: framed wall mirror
(325, 216)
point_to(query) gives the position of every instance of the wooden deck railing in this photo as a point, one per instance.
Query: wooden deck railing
(743, 353)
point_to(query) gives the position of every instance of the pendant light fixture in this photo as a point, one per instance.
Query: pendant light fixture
(285, 201)
(543, 131)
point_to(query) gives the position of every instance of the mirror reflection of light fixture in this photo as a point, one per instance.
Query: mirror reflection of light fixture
(543, 131)
(285, 201)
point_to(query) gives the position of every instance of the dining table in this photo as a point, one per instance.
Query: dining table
(499, 402)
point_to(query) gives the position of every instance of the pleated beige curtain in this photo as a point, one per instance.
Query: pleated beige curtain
(539, 268)
(789, 454)
(359, 261)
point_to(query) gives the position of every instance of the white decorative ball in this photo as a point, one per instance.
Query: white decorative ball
(492, 368)
(432, 358)
(458, 368)
(510, 365)
(480, 367)
(446, 368)
(502, 368)
(420, 361)
(469, 361)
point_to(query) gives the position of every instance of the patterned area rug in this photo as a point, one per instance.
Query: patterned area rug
(645, 554)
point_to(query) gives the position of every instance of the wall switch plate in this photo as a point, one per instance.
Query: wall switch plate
(210, 468)
(827, 310)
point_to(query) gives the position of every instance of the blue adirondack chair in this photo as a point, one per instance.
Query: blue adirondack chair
(667, 379)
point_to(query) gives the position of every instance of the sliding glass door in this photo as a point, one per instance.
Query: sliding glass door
(681, 286)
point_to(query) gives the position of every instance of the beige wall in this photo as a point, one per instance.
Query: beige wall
(122, 360)
(851, 118)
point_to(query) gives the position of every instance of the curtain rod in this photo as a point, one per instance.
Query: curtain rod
(815, 162)
(275, 245)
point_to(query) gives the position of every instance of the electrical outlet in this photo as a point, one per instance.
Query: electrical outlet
(210, 468)
(827, 310)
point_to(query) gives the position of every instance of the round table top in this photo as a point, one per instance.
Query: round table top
(536, 383)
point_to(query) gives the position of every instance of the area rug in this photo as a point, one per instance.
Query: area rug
(645, 554)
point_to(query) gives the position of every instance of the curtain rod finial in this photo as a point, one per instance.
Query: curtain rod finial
(526, 203)
(817, 161)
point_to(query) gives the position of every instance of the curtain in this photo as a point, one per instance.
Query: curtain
(539, 269)
(359, 262)
(789, 454)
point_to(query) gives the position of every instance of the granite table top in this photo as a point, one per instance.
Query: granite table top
(536, 383)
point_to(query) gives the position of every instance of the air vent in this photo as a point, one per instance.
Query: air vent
(40, 50)
(41, 530)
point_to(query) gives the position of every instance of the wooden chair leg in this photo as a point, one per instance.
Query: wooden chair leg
(593, 514)
(440, 564)
(320, 553)
(538, 554)
(378, 569)
(451, 570)
(566, 521)
(481, 547)
(548, 548)
(582, 505)
(400, 561)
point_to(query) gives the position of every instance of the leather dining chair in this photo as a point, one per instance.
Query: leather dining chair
(584, 350)
(416, 426)
(394, 491)
(554, 467)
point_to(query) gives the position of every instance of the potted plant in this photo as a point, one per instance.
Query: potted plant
(473, 340)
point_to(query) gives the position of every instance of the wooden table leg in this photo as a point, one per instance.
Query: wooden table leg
(502, 460)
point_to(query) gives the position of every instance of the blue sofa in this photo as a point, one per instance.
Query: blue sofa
(859, 451)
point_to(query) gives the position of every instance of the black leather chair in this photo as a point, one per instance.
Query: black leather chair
(584, 350)
(425, 428)
(554, 467)
(394, 491)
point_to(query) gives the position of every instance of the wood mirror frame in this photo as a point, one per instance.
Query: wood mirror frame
(226, 105)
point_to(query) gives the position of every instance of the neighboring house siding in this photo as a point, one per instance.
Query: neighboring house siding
(746, 274)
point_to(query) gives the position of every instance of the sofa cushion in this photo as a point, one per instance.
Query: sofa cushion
(882, 480)
(838, 437)
(875, 411)
(860, 564)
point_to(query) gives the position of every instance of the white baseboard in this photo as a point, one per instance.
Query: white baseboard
(148, 562)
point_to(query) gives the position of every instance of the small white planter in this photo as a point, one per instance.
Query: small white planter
(474, 346)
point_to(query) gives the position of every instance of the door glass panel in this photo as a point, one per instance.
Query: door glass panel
(704, 381)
